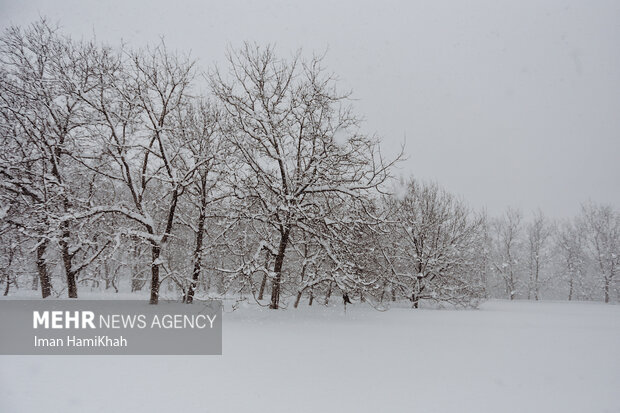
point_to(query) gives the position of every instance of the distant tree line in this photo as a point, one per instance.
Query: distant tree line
(571, 259)
(118, 173)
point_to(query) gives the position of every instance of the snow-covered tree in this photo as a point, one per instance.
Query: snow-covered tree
(602, 228)
(573, 260)
(507, 244)
(298, 144)
(539, 232)
(42, 121)
(436, 240)
(132, 98)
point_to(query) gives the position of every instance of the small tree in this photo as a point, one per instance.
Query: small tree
(436, 242)
(507, 242)
(570, 244)
(602, 226)
(539, 233)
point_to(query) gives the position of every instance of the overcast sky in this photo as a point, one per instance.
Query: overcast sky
(504, 103)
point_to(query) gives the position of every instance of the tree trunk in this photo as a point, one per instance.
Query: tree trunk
(263, 283)
(345, 301)
(311, 299)
(136, 282)
(529, 288)
(297, 299)
(67, 259)
(106, 274)
(44, 278)
(198, 250)
(383, 291)
(8, 273)
(35, 282)
(277, 269)
(302, 276)
(510, 287)
(536, 275)
(155, 251)
(607, 289)
(329, 293)
(156, 248)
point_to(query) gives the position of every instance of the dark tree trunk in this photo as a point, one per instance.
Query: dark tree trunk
(67, 260)
(329, 293)
(383, 291)
(311, 299)
(198, 250)
(415, 300)
(297, 299)
(155, 252)
(106, 275)
(345, 301)
(263, 283)
(510, 290)
(607, 289)
(67, 257)
(277, 269)
(156, 248)
(44, 278)
(8, 274)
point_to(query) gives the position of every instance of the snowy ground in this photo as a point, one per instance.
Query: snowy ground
(506, 357)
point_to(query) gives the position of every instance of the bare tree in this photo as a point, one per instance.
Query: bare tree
(132, 97)
(297, 141)
(437, 239)
(506, 233)
(602, 226)
(570, 242)
(42, 119)
(539, 232)
(209, 158)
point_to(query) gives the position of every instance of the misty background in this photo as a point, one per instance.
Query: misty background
(503, 103)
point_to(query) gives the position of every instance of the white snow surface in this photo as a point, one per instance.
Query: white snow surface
(505, 357)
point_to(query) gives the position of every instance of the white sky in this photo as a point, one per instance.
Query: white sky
(502, 102)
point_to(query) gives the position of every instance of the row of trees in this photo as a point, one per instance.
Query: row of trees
(568, 259)
(118, 173)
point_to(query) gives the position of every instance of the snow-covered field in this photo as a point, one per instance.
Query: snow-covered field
(505, 357)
